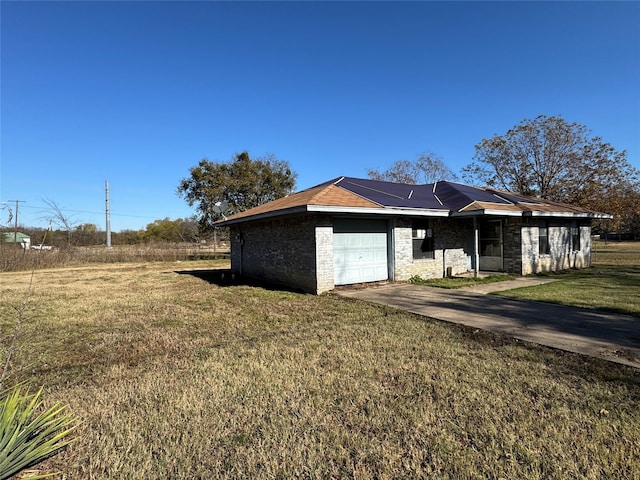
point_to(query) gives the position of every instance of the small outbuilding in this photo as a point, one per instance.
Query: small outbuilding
(16, 238)
(350, 231)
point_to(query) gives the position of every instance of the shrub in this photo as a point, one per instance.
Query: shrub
(30, 434)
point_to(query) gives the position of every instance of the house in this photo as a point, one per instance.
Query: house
(18, 238)
(351, 230)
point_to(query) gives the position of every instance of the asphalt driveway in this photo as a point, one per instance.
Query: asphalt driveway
(611, 336)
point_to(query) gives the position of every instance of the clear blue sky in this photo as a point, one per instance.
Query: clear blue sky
(136, 93)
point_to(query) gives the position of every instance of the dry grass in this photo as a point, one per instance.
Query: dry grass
(16, 259)
(178, 377)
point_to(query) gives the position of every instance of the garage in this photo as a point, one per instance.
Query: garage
(360, 251)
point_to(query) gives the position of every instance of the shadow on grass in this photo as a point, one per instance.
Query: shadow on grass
(225, 278)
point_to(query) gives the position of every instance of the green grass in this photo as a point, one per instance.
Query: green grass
(459, 282)
(612, 284)
(173, 376)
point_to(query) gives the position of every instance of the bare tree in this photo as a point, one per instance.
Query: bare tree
(426, 168)
(58, 217)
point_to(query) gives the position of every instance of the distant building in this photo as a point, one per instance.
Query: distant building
(19, 238)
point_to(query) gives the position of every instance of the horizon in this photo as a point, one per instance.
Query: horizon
(136, 93)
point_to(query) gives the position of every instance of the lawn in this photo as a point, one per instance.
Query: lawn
(611, 284)
(177, 374)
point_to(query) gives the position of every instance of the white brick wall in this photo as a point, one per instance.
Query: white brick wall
(561, 255)
(324, 258)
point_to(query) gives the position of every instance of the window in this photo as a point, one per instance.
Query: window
(422, 239)
(543, 239)
(575, 238)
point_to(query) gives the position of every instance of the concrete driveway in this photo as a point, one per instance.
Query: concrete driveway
(610, 336)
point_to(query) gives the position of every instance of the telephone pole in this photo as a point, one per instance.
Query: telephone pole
(15, 225)
(108, 213)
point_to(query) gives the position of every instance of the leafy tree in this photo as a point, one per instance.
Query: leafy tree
(88, 234)
(426, 168)
(128, 237)
(242, 183)
(167, 230)
(549, 158)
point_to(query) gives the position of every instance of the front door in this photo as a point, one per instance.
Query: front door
(491, 245)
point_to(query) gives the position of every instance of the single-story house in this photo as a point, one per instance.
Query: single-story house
(17, 238)
(352, 230)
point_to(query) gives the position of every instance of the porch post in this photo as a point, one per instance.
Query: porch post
(476, 256)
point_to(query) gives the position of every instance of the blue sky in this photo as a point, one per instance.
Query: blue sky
(136, 93)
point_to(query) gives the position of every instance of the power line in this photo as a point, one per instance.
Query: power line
(45, 209)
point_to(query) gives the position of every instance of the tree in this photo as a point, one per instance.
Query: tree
(549, 158)
(88, 234)
(167, 230)
(426, 168)
(58, 217)
(242, 183)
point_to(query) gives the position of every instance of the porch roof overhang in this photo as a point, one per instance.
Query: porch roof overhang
(509, 213)
(568, 214)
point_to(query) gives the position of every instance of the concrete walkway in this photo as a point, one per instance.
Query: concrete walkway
(610, 336)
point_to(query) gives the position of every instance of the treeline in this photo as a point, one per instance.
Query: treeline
(181, 230)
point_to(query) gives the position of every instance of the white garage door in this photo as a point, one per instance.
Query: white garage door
(360, 252)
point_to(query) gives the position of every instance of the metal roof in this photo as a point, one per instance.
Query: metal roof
(8, 237)
(359, 195)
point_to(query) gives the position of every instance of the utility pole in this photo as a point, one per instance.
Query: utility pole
(108, 214)
(15, 225)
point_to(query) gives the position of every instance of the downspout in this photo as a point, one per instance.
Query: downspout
(476, 256)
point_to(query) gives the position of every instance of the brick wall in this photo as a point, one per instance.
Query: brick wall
(298, 251)
(324, 256)
(513, 241)
(561, 255)
(453, 245)
(281, 250)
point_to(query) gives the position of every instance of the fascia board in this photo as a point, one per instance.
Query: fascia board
(261, 216)
(409, 212)
(503, 213)
(568, 215)
(487, 212)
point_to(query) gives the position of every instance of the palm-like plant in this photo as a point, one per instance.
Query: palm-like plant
(28, 433)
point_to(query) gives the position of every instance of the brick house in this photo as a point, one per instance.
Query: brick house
(351, 230)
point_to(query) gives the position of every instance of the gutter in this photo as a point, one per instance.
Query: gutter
(405, 212)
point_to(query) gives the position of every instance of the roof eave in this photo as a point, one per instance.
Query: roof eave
(407, 212)
(487, 211)
(507, 213)
(567, 214)
(261, 216)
